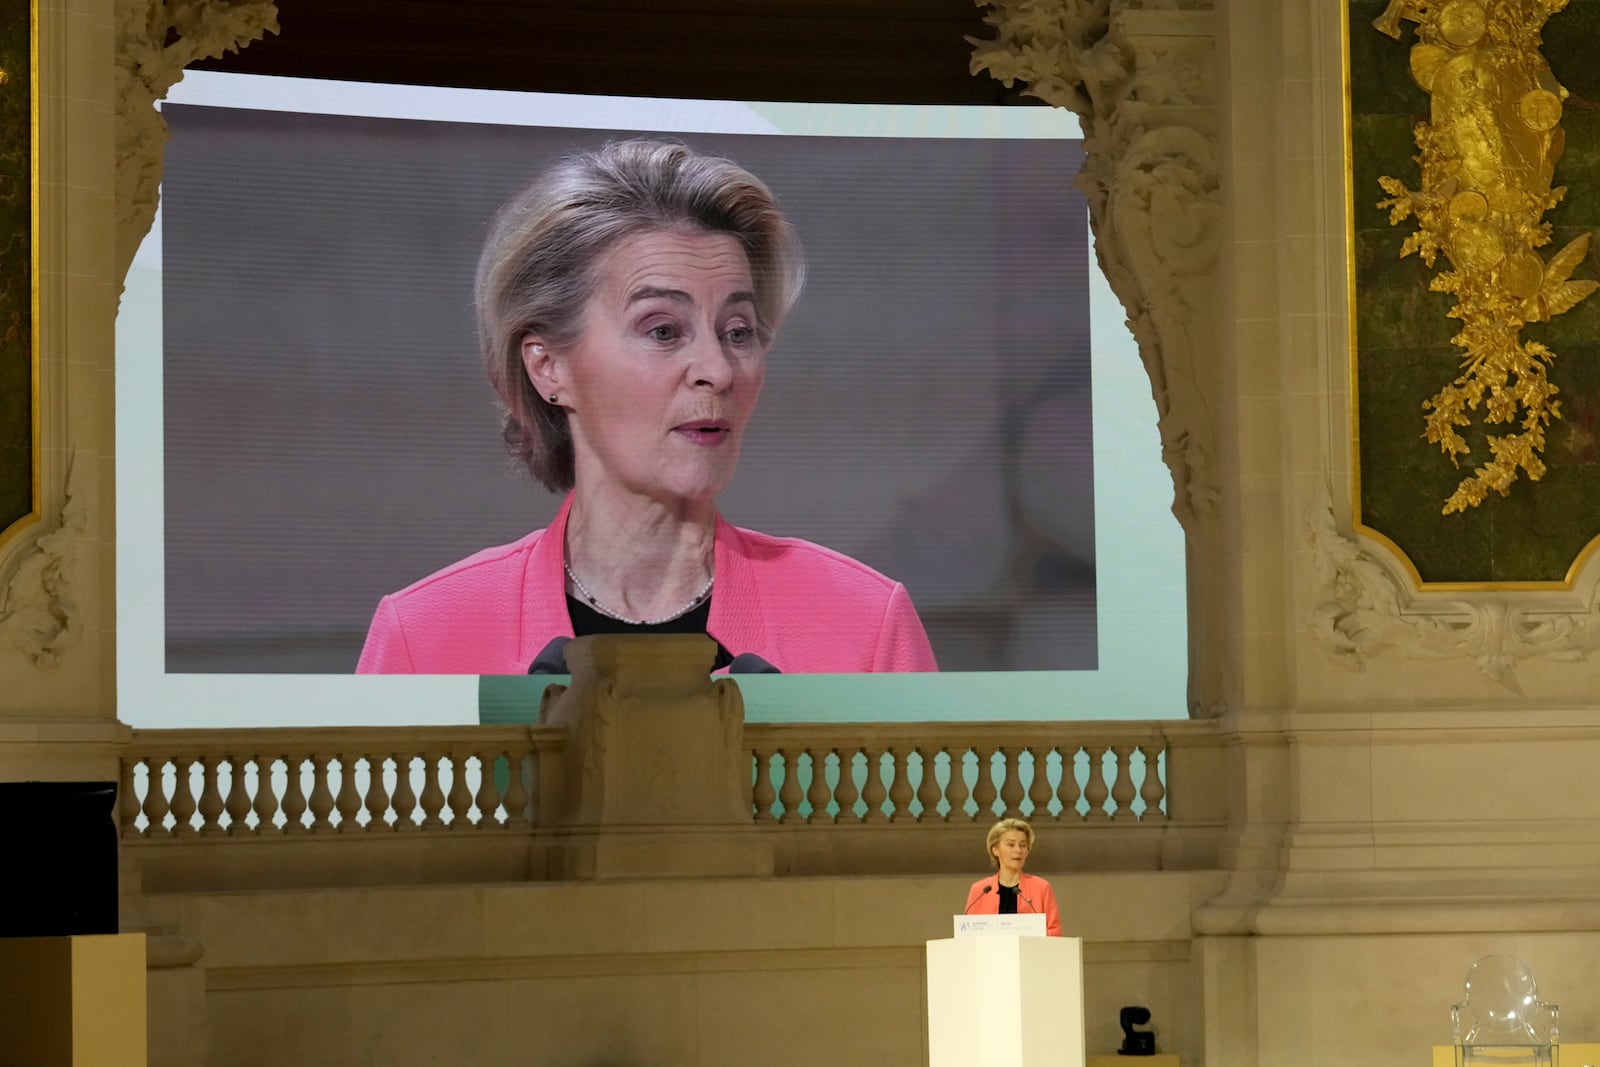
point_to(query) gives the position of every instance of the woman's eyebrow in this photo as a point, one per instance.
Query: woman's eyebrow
(650, 292)
(678, 296)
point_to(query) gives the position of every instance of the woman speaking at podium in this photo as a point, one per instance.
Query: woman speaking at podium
(1008, 891)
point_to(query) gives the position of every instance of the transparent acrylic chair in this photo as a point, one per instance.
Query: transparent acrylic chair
(1501, 1020)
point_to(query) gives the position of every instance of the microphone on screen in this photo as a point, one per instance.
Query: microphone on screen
(980, 897)
(750, 663)
(552, 659)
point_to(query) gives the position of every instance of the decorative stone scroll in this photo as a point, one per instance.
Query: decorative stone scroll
(1363, 609)
(156, 39)
(1141, 79)
(38, 609)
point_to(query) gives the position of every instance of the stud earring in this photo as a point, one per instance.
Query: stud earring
(552, 398)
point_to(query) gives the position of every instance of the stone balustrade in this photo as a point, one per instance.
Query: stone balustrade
(214, 808)
(919, 797)
(263, 783)
(1038, 771)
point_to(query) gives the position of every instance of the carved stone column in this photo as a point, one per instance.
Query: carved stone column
(1142, 83)
(101, 68)
(100, 65)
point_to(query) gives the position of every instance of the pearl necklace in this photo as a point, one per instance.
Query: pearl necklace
(594, 601)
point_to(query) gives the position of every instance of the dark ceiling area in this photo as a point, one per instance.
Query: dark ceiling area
(871, 51)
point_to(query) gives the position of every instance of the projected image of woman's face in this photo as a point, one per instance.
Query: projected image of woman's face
(667, 371)
(932, 414)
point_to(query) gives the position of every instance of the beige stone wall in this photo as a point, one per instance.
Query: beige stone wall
(804, 971)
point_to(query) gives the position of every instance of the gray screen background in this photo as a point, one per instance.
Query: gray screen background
(330, 435)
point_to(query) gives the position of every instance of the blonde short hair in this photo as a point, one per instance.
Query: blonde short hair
(999, 830)
(539, 265)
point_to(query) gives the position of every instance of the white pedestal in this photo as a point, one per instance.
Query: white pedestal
(1011, 1000)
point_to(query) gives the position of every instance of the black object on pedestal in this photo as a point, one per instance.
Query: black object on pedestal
(1136, 1042)
(58, 859)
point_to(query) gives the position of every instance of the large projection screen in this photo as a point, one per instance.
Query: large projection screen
(304, 423)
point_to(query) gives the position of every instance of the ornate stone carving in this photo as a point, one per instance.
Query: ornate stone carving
(38, 612)
(156, 39)
(1362, 609)
(1140, 78)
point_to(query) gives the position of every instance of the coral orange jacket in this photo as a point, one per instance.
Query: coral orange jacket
(1034, 895)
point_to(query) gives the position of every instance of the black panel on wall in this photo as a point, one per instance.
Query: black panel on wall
(58, 859)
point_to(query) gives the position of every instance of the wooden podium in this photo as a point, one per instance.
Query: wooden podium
(1011, 1000)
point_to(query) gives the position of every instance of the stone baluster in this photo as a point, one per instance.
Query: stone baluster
(294, 794)
(1069, 791)
(763, 794)
(1011, 793)
(210, 805)
(1095, 791)
(928, 791)
(516, 798)
(128, 799)
(322, 802)
(405, 796)
(983, 791)
(156, 805)
(791, 794)
(460, 792)
(487, 798)
(377, 798)
(432, 792)
(1152, 791)
(900, 794)
(1039, 791)
(348, 801)
(847, 794)
(266, 803)
(238, 803)
(818, 795)
(872, 791)
(1122, 791)
(957, 791)
(182, 796)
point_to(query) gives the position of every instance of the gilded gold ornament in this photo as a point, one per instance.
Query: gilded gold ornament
(1462, 22)
(1469, 206)
(1426, 59)
(1487, 156)
(1475, 246)
(1522, 274)
(1540, 109)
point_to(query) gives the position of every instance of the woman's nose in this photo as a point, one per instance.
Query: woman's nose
(709, 364)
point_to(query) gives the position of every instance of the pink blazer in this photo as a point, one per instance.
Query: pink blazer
(1034, 895)
(802, 607)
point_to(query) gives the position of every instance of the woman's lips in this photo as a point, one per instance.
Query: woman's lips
(707, 434)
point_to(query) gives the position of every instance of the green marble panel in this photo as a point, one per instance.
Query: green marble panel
(1403, 355)
(16, 263)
